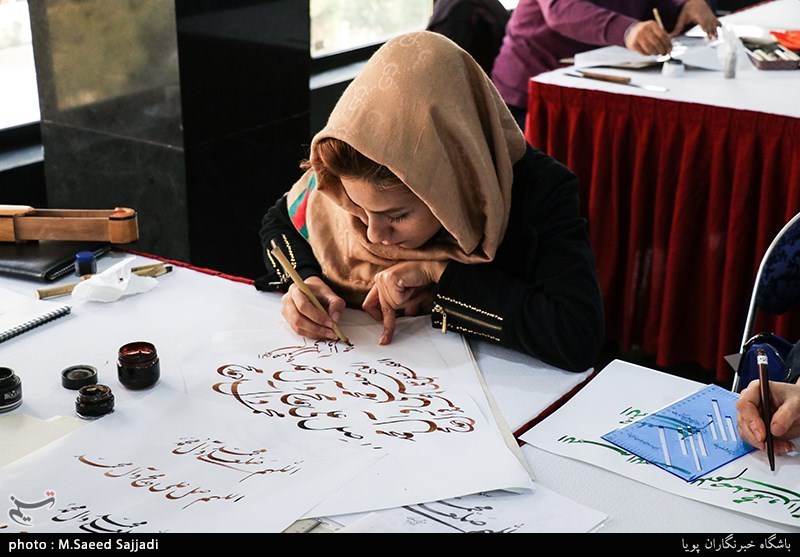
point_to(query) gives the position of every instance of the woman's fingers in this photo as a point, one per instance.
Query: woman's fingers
(304, 317)
(372, 304)
(389, 322)
(404, 286)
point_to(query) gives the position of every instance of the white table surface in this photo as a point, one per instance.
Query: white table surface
(186, 304)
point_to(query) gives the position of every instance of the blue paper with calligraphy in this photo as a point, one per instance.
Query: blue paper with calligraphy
(688, 438)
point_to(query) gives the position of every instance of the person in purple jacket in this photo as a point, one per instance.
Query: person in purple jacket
(542, 32)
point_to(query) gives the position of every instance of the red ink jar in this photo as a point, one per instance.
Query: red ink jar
(94, 401)
(137, 365)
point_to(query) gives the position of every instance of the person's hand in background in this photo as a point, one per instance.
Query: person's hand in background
(697, 12)
(648, 38)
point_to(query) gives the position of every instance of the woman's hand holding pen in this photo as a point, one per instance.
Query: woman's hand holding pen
(785, 419)
(304, 318)
(403, 286)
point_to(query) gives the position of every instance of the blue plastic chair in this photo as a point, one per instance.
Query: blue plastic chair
(777, 284)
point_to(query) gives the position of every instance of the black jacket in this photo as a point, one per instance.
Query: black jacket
(539, 296)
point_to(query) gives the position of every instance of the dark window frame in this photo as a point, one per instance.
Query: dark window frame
(18, 137)
(344, 58)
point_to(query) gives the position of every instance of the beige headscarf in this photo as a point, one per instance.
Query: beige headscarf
(426, 110)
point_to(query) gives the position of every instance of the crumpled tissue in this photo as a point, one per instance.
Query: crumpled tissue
(113, 283)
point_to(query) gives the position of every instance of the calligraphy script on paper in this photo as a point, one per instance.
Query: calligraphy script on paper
(152, 480)
(94, 523)
(247, 463)
(743, 490)
(458, 517)
(216, 452)
(355, 400)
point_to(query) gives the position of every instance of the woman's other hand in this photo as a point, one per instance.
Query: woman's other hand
(403, 286)
(303, 316)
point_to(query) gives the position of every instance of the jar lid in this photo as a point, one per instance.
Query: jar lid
(84, 256)
(75, 377)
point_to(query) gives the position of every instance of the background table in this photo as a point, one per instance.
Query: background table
(683, 192)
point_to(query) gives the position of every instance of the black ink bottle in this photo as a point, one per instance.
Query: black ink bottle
(10, 390)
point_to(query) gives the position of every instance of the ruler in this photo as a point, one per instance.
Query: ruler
(690, 437)
(307, 526)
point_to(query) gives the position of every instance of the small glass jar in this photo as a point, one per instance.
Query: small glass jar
(94, 401)
(85, 263)
(137, 365)
(672, 68)
(729, 64)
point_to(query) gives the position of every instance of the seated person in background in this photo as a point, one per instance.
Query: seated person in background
(542, 32)
(477, 26)
(785, 418)
(421, 195)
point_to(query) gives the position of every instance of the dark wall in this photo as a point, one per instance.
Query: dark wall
(23, 185)
(193, 112)
(22, 167)
(243, 154)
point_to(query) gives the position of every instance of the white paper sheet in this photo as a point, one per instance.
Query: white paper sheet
(617, 56)
(693, 52)
(622, 393)
(173, 463)
(23, 434)
(419, 398)
(495, 512)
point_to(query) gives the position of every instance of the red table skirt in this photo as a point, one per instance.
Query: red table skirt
(682, 201)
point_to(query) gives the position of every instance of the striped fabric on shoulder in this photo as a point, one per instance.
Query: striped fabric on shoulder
(297, 207)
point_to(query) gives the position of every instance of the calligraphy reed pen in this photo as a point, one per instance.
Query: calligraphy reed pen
(657, 17)
(301, 284)
(154, 270)
(766, 403)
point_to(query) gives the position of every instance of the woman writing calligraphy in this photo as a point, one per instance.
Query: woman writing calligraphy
(420, 195)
